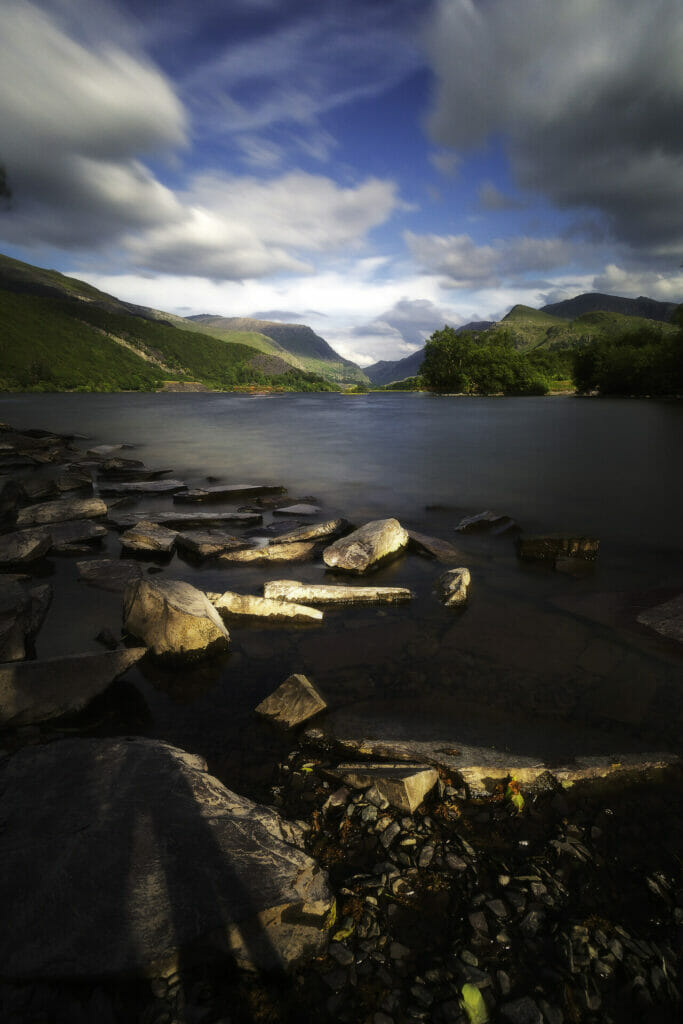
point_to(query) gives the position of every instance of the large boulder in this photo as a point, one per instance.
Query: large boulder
(366, 547)
(34, 691)
(173, 618)
(21, 615)
(133, 858)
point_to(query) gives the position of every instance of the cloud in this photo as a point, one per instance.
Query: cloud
(243, 227)
(633, 283)
(586, 96)
(491, 198)
(410, 321)
(461, 263)
(77, 119)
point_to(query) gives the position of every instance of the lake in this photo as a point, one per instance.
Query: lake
(535, 655)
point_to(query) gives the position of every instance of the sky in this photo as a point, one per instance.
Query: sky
(373, 168)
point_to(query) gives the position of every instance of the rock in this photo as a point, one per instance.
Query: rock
(209, 543)
(107, 450)
(230, 603)
(10, 497)
(172, 863)
(272, 553)
(554, 546)
(439, 549)
(147, 536)
(21, 615)
(486, 521)
(132, 474)
(61, 510)
(34, 691)
(37, 488)
(319, 593)
(76, 478)
(301, 509)
(522, 1011)
(313, 532)
(187, 520)
(229, 492)
(453, 586)
(295, 701)
(23, 546)
(666, 619)
(404, 786)
(76, 531)
(366, 547)
(173, 618)
(149, 487)
(109, 573)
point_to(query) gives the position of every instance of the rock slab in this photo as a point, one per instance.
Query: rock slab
(149, 537)
(295, 701)
(23, 546)
(35, 691)
(366, 547)
(300, 552)
(453, 586)
(173, 618)
(133, 856)
(61, 510)
(403, 785)
(230, 603)
(552, 546)
(320, 593)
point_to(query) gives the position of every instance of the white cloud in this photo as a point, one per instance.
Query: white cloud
(587, 97)
(618, 281)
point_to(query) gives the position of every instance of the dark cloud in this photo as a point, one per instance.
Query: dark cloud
(588, 98)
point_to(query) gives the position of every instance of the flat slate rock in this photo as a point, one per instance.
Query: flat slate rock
(453, 586)
(148, 487)
(149, 537)
(487, 520)
(321, 593)
(109, 573)
(295, 701)
(173, 618)
(187, 520)
(666, 619)
(76, 478)
(76, 531)
(555, 545)
(302, 509)
(132, 474)
(23, 546)
(249, 606)
(367, 547)
(272, 553)
(61, 510)
(133, 857)
(35, 691)
(227, 492)
(441, 550)
(209, 543)
(482, 745)
(313, 532)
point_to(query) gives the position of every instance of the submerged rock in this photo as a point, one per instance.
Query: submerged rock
(295, 701)
(23, 546)
(487, 520)
(230, 603)
(76, 531)
(34, 691)
(173, 618)
(61, 510)
(402, 785)
(320, 593)
(553, 546)
(133, 857)
(366, 547)
(441, 550)
(453, 586)
(666, 619)
(147, 536)
(108, 573)
(150, 487)
(300, 509)
(272, 553)
(227, 492)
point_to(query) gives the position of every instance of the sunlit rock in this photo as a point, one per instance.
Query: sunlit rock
(301, 552)
(295, 701)
(133, 858)
(453, 586)
(321, 593)
(149, 537)
(367, 546)
(173, 618)
(61, 510)
(249, 606)
(313, 532)
(402, 785)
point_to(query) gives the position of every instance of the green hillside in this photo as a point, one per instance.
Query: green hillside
(58, 334)
(533, 328)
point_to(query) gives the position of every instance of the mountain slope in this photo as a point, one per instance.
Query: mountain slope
(296, 341)
(593, 302)
(57, 333)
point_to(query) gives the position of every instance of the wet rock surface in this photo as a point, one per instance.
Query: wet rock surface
(322, 593)
(301, 551)
(295, 701)
(147, 536)
(230, 603)
(173, 618)
(61, 510)
(366, 547)
(453, 586)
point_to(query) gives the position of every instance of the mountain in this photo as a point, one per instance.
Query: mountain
(296, 342)
(386, 371)
(58, 334)
(595, 302)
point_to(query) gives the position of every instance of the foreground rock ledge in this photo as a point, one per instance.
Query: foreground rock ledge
(366, 547)
(320, 593)
(133, 856)
(230, 603)
(35, 691)
(173, 618)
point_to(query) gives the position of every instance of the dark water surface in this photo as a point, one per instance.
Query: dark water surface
(538, 660)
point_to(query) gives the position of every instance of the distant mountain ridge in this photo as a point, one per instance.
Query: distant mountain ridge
(596, 302)
(386, 371)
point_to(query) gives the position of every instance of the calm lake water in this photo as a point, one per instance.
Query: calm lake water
(535, 651)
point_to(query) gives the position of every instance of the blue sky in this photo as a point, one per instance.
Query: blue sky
(374, 168)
